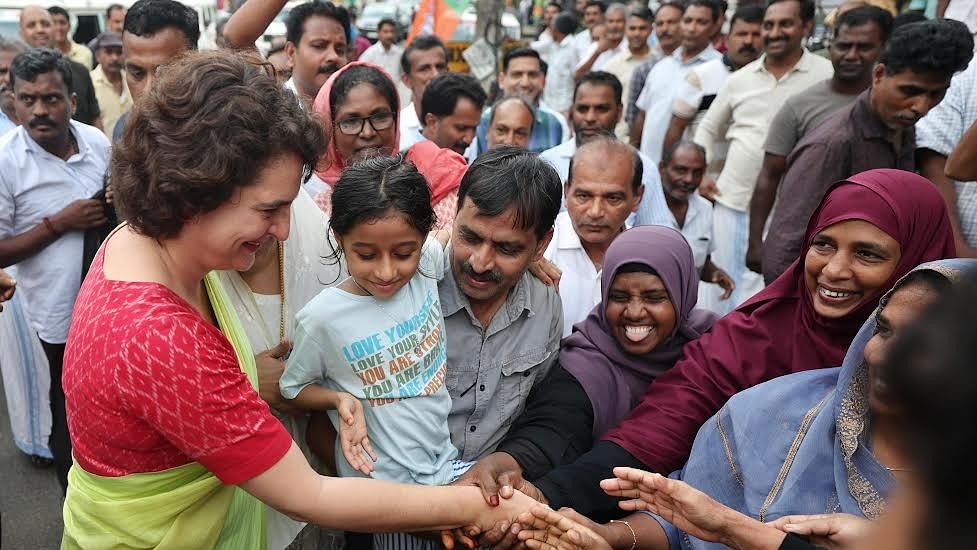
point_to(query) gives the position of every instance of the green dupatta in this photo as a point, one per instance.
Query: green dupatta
(183, 507)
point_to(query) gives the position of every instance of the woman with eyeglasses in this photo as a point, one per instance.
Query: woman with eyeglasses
(358, 107)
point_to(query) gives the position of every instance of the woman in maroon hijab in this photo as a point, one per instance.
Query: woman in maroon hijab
(868, 232)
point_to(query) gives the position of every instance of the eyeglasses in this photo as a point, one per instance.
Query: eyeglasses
(378, 121)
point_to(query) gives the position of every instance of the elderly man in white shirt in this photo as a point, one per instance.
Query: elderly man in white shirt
(682, 166)
(603, 189)
(50, 167)
(596, 111)
(612, 43)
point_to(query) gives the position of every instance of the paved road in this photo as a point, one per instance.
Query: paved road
(30, 499)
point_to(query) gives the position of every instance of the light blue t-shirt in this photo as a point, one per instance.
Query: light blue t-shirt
(391, 355)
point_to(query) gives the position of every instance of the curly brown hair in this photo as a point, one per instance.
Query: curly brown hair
(211, 123)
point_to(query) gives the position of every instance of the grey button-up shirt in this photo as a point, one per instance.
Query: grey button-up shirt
(492, 370)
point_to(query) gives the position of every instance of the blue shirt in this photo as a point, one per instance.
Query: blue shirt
(6, 124)
(549, 130)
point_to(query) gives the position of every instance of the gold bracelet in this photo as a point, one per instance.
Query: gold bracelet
(634, 537)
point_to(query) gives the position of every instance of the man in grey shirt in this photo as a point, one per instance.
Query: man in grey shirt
(856, 48)
(503, 325)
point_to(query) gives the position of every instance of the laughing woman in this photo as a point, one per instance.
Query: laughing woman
(173, 446)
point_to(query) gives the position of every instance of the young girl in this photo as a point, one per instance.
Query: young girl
(372, 350)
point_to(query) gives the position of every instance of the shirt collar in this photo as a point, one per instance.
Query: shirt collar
(803, 64)
(705, 55)
(454, 300)
(870, 126)
(33, 147)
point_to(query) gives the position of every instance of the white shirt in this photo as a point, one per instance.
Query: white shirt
(558, 90)
(581, 41)
(604, 57)
(657, 95)
(580, 282)
(388, 60)
(697, 229)
(35, 184)
(410, 127)
(652, 211)
(747, 102)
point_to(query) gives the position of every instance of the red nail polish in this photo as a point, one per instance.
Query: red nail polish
(494, 500)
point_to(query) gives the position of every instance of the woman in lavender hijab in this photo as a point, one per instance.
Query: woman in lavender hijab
(646, 316)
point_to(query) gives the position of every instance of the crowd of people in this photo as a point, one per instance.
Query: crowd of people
(673, 280)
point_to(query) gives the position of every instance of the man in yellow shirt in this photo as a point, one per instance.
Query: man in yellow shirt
(62, 38)
(109, 80)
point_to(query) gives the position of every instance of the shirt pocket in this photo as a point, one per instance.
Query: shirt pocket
(519, 373)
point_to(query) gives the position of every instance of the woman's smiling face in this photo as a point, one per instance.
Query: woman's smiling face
(639, 312)
(847, 264)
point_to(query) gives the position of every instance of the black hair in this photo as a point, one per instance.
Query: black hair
(711, 4)
(112, 8)
(420, 44)
(908, 17)
(565, 22)
(669, 151)
(28, 65)
(806, 8)
(601, 78)
(520, 99)
(748, 14)
(510, 177)
(148, 17)
(386, 21)
(554, 4)
(370, 189)
(940, 47)
(362, 74)
(58, 10)
(297, 16)
(611, 142)
(929, 370)
(642, 12)
(864, 16)
(442, 93)
(522, 52)
(597, 3)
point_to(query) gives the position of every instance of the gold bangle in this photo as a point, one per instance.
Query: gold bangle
(634, 537)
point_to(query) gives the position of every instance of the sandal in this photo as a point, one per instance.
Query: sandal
(41, 462)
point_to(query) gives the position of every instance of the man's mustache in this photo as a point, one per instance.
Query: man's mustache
(491, 276)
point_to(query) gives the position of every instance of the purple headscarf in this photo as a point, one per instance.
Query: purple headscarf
(614, 379)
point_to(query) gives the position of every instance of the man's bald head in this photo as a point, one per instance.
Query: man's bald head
(607, 151)
(511, 123)
(36, 27)
(603, 189)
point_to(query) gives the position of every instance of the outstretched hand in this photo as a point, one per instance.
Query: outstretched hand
(545, 529)
(688, 509)
(353, 437)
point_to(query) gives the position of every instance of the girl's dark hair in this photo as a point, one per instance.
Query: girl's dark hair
(362, 74)
(377, 187)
